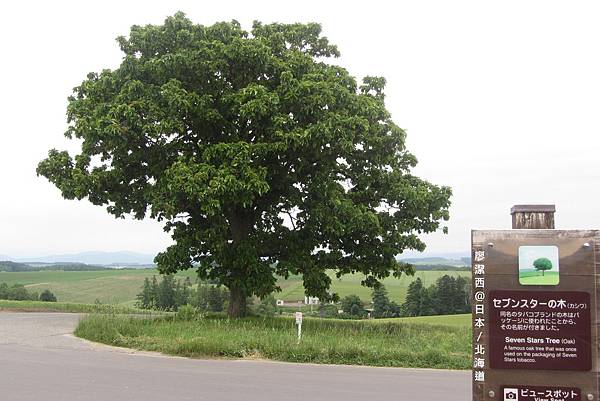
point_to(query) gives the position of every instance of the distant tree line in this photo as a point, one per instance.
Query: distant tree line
(170, 293)
(448, 296)
(8, 266)
(18, 292)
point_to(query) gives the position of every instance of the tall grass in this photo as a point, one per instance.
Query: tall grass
(332, 341)
(463, 320)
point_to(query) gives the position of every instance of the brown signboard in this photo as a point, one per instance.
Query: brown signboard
(540, 330)
(535, 315)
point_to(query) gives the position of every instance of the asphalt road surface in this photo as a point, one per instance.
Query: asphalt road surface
(40, 359)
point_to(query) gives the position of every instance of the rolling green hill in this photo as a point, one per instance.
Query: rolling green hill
(121, 286)
(108, 286)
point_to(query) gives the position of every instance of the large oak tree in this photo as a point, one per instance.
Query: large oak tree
(262, 158)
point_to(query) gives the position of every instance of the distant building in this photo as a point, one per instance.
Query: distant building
(311, 300)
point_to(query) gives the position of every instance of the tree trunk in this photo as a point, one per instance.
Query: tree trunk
(241, 223)
(237, 303)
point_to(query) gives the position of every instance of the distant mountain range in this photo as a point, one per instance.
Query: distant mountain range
(433, 254)
(7, 266)
(132, 259)
(122, 258)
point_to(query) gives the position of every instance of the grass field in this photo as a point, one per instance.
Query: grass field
(435, 342)
(121, 286)
(37, 306)
(533, 277)
(107, 286)
(292, 289)
(445, 320)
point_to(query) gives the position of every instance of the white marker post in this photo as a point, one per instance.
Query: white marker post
(299, 324)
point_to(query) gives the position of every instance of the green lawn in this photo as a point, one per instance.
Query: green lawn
(395, 342)
(122, 286)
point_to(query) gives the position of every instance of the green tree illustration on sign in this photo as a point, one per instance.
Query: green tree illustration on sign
(542, 264)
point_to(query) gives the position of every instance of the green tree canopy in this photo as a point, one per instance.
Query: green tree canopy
(261, 157)
(542, 264)
(412, 303)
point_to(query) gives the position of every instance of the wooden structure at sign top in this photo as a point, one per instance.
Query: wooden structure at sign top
(533, 217)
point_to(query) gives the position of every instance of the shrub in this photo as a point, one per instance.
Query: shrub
(328, 310)
(267, 306)
(186, 313)
(17, 292)
(47, 296)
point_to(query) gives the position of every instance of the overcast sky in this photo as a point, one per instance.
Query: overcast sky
(500, 101)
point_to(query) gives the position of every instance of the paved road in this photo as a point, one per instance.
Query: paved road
(41, 360)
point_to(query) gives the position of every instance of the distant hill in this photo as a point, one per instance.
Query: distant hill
(438, 260)
(123, 258)
(139, 260)
(8, 266)
(440, 267)
(432, 254)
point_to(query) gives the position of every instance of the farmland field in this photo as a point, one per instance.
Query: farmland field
(121, 286)
(292, 289)
(107, 286)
